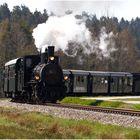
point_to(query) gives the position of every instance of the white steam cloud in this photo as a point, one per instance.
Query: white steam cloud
(60, 31)
(105, 41)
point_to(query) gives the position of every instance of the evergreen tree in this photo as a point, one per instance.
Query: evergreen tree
(4, 12)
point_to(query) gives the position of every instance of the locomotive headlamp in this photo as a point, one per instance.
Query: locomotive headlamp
(66, 77)
(51, 58)
(37, 77)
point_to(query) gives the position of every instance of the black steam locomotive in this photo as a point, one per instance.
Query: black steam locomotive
(35, 78)
(39, 78)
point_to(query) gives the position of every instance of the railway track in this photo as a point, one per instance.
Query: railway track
(97, 109)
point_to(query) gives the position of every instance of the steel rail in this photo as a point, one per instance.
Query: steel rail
(97, 109)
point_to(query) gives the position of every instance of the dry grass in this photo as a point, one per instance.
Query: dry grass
(17, 124)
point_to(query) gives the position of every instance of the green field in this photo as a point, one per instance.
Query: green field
(17, 124)
(102, 103)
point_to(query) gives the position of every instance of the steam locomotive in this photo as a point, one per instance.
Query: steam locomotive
(35, 78)
(39, 78)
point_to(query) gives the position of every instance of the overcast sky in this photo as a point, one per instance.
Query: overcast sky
(120, 8)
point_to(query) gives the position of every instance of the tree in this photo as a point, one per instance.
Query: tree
(4, 12)
(6, 50)
(21, 38)
(124, 58)
(16, 13)
(39, 18)
(93, 25)
(124, 24)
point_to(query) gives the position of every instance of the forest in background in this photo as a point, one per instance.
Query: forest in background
(16, 40)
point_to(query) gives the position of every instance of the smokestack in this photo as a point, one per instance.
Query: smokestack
(50, 51)
(44, 57)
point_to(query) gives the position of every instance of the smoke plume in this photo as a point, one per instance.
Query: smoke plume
(60, 31)
(106, 43)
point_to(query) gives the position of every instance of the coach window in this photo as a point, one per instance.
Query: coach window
(95, 80)
(28, 62)
(82, 79)
(112, 80)
(129, 81)
(102, 80)
(106, 80)
(78, 78)
(126, 81)
(12, 71)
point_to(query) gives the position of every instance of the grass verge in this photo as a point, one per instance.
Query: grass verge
(15, 124)
(102, 103)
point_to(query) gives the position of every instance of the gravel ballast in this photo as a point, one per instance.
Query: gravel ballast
(114, 119)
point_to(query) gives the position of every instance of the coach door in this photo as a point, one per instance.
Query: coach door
(114, 84)
(80, 83)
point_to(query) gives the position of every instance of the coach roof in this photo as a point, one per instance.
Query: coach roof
(12, 62)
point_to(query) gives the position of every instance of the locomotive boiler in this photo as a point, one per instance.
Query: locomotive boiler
(35, 78)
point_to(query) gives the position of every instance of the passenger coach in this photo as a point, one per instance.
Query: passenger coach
(91, 83)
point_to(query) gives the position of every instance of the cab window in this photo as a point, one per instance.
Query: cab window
(28, 62)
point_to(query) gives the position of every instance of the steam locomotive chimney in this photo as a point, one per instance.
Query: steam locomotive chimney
(50, 51)
(51, 54)
(44, 57)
